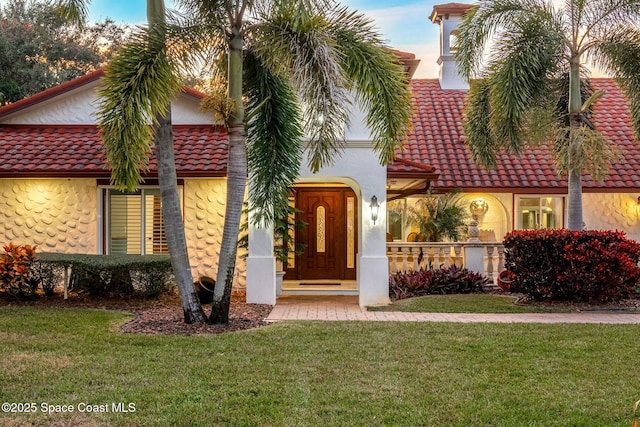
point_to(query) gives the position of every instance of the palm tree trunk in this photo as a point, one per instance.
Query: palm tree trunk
(574, 209)
(171, 212)
(236, 186)
(172, 216)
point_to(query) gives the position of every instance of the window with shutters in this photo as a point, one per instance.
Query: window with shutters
(133, 222)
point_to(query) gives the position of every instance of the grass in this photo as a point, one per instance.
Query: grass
(466, 303)
(318, 373)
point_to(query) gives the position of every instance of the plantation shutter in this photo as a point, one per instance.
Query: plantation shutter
(134, 222)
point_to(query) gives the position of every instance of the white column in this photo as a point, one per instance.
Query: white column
(261, 265)
(373, 266)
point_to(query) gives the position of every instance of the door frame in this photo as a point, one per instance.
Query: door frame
(347, 270)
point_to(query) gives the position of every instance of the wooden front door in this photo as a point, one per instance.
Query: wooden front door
(330, 235)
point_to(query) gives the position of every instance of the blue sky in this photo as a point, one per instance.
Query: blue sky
(404, 24)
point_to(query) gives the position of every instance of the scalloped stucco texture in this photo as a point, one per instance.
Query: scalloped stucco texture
(612, 211)
(60, 215)
(57, 215)
(204, 204)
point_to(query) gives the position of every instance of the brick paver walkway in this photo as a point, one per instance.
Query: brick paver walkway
(347, 308)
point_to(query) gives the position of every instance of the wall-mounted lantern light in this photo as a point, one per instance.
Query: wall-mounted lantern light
(375, 209)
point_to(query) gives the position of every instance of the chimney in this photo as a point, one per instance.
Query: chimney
(449, 16)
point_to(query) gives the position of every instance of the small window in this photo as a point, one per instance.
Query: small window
(539, 212)
(133, 222)
(396, 219)
(453, 41)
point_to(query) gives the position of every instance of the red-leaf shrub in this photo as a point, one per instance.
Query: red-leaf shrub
(565, 265)
(15, 269)
(445, 280)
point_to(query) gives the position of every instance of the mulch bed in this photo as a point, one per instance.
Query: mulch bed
(159, 316)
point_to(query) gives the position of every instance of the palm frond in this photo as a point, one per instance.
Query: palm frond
(274, 138)
(138, 85)
(593, 154)
(477, 110)
(305, 50)
(520, 72)
(380, 83)
(74, 11)
(619, 54)
(601, 16)
(481, 23)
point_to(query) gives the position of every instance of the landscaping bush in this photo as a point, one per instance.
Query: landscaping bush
(581, 266)
(15, 270)
(445, 280)
(147, 275)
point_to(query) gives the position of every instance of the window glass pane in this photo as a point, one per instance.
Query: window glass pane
(540, 212)
(396, 218)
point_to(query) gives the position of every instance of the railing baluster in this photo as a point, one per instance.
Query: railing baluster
(490, 261)
(403, 256)
(457, 249)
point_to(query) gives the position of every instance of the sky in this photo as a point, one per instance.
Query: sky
(402, 24)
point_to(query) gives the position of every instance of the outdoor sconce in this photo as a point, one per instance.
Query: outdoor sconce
(638, 206)
(375, 209)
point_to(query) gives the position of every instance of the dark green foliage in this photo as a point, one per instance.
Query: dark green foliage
(38, 50)
(146, 275)
(445, 280)
(582, 266)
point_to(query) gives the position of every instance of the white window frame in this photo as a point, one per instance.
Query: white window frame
(104, 216)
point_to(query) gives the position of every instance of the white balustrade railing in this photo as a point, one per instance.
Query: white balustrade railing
(412, 256)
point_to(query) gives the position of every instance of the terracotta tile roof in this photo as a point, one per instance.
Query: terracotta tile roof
(76, 150)
(437, 139)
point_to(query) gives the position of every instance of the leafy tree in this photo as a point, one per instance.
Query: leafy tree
(287, 68)
(535, 47)
(39, 50)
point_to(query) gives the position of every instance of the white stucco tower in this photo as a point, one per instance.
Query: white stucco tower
(449, 16)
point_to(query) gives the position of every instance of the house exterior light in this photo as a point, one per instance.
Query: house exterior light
(375, 209)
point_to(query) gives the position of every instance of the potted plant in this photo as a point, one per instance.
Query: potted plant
(438, 217)
(285, 243)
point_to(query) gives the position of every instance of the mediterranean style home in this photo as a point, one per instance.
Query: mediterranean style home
(55, 189)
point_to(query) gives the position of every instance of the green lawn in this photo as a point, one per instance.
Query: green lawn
(318, 373)
(465, 303)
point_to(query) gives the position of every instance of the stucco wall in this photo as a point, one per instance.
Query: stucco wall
(204, 204)
(614, 211)
(58, 215)
(601, 211)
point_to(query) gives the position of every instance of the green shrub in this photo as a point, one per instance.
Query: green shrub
(445, 280)
(146, 275)
(565, 265)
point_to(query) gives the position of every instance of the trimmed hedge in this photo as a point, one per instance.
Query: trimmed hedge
(147, 275)
(565, 265)
(445, 280)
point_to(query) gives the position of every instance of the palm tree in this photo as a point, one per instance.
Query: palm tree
(290, 69)
(297, 62)
(140, 83)
(533, 46)
(438, 217)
